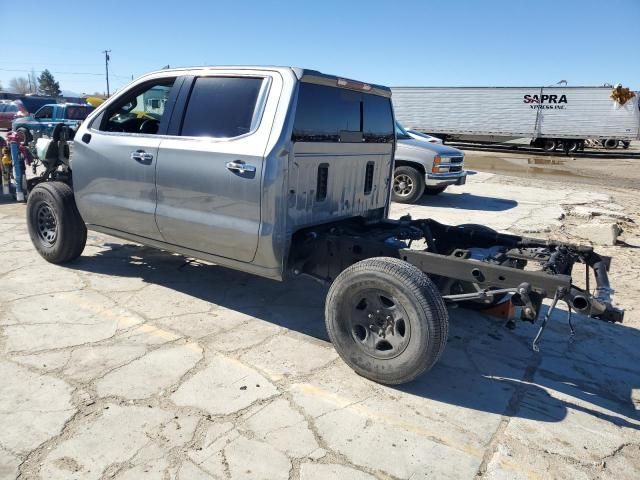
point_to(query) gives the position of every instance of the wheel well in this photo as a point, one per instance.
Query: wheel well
(406, 163)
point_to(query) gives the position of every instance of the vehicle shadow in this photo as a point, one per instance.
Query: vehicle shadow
(467, 201)
(485, 367)
(594, 373)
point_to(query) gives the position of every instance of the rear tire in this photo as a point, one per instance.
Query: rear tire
(434, 190)
(408, 185)
(386, 319)
(55, 226)
(610, 143)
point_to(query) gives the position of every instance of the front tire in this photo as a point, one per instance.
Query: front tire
(408, 185)
(386, 319)
(55, 226)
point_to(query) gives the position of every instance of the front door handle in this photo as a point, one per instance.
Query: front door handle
(240, 167)
(141, 156)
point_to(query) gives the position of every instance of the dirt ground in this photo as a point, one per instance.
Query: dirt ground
(604, 168)
(132, 363)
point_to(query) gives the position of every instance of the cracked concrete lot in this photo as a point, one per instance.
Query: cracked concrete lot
(132, 363)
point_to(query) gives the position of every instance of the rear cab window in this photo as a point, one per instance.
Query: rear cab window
(338, 115)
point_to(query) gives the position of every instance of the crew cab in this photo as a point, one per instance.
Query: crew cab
(45, 119)
(422, 166)
(287, 173)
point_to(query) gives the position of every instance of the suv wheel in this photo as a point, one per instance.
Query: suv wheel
(408, 185)
(386, 319)
(56, 229)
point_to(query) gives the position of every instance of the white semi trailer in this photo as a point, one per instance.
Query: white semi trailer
(552, 117)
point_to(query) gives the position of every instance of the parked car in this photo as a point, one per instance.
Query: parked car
(9, 111)
(424, 167)
(285, 173)
(47, 117)
(423, 136)
(19, 108)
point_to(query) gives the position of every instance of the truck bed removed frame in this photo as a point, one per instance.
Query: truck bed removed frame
(472, 264)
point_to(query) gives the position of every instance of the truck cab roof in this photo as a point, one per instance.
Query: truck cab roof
(302, 74)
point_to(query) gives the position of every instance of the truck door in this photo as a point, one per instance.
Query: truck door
(43, 120)
(210, 167)
(114, 162)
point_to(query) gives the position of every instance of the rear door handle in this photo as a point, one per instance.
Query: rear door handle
(240, 167)
(141, 156)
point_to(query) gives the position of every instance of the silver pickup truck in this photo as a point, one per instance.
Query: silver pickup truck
(286, 173)
(424, 167)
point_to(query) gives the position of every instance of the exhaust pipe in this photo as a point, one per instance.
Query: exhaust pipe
(580, 302)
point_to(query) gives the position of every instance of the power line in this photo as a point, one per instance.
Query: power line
(66, 73)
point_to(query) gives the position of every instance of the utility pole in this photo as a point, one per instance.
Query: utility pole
(106, 66)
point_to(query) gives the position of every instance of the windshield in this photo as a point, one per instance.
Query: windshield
(401, 133)
(78, 113)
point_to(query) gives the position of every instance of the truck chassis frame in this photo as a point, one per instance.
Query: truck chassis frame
(322, 252)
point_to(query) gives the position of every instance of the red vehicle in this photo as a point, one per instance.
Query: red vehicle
(10, 110)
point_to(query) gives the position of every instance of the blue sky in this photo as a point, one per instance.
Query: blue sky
(449, 43)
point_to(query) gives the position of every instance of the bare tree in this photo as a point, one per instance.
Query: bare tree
(19, 85)
(33, 81)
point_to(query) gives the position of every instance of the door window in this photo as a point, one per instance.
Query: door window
(223, 107)
(44, 113)
(139, 111)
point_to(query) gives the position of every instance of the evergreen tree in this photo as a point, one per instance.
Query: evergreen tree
(48, 84)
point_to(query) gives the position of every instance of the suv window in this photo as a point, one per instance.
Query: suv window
(140, 110)
(44, 113)
(330, 114)
(222, 107)
(77, 112)
(11, 108)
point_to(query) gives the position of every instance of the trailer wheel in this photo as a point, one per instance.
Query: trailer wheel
(571, 146)
(386, 320)
(549, 145)
(610, 143)
(625, 144)
(408, 185)
(56, 229)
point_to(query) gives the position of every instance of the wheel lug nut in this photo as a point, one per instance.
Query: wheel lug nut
(370, 315)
